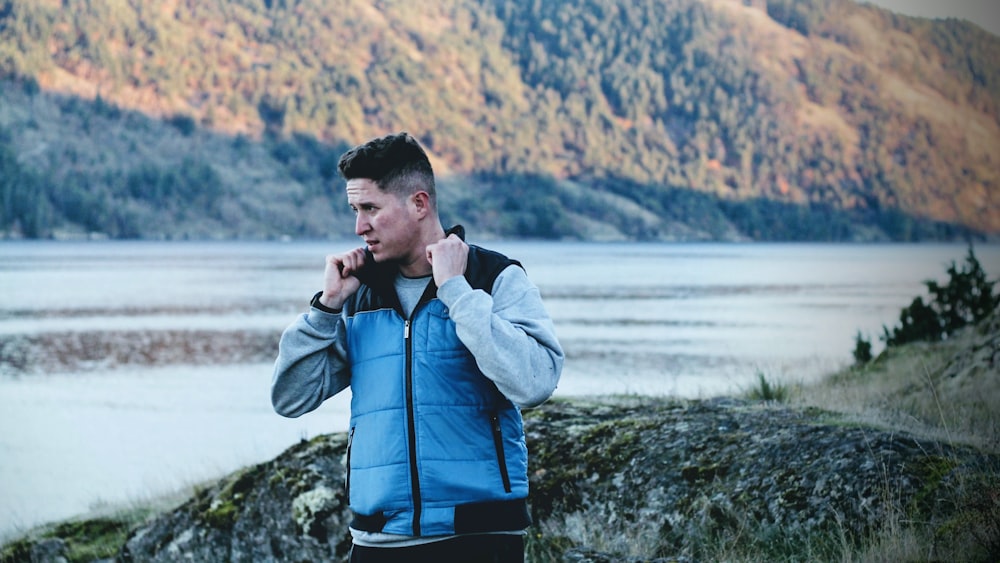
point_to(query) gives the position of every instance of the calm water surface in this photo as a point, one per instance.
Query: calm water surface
(688, 320)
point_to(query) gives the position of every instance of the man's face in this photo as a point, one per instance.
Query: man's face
(387, 223)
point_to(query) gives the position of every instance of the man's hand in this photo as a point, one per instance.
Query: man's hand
(338, 281)
(448, 258)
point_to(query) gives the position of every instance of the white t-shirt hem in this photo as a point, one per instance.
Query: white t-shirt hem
(379, 539)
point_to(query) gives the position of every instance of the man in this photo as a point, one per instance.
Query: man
(441, 343)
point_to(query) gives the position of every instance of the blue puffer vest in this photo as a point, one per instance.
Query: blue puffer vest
(434, 448)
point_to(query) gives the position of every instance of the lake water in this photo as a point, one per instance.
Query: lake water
(133, 369)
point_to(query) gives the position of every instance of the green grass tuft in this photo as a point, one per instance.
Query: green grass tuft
(768, 391)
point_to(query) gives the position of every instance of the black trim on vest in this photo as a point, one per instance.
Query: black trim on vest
(498, 516)
(365, 523)
(477, 518)
(377, 279)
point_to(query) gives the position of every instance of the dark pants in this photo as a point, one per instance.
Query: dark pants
(485, 548)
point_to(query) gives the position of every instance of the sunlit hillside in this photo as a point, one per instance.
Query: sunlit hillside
(657, 119)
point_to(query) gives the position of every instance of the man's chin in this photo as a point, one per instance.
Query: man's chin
(378, 255)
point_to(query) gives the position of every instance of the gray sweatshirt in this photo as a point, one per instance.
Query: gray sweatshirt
(508, 331)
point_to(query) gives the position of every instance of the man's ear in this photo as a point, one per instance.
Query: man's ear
(421, 202)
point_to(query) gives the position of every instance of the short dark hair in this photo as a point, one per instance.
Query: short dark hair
(396, 163)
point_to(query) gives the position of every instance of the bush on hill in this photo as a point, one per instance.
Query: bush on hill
(966, 299)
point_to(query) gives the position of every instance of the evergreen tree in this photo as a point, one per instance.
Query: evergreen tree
(965, 299)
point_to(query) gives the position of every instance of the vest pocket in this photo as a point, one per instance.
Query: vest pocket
(347, 472)
(501, 457)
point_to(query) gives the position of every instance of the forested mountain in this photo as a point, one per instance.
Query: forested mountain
(593, 119)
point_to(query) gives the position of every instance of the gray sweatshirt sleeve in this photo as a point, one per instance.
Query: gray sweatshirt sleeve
(312, 363)
(510, 334)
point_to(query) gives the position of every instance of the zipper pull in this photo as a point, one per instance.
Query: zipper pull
(406, 329)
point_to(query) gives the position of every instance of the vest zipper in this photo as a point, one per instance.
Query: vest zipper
(411, 428)
(501, 457)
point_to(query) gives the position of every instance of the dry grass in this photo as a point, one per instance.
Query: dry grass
(950, 392)
(945, 391)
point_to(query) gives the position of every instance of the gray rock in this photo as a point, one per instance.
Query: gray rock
(51, 550)
(290, 509)
(664, 471)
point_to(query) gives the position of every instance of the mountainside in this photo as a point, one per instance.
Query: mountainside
(654, 119)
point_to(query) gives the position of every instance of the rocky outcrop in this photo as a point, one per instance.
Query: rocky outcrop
(975, 365)
(612, 480)
(663, 477)
(290, 509)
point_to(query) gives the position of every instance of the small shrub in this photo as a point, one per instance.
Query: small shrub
(30, 86)
(966, 299)
(183, 123)
(768, 391)
(862, 350)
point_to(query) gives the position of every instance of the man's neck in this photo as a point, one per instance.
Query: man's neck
(417, 266)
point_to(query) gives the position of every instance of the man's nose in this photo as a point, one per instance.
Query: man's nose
(360, 225)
